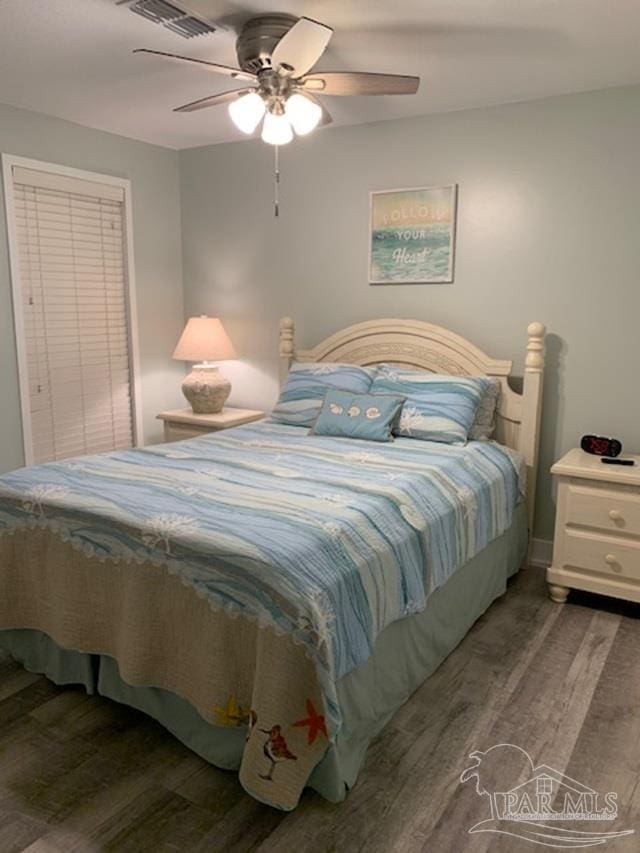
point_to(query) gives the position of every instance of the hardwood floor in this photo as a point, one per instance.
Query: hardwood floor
(80, 773)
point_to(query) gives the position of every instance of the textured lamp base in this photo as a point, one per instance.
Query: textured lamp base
(206, 390)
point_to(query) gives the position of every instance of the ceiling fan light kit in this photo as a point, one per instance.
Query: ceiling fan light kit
(303, 114)
(247, 112)
(281, 112)
(276, 129)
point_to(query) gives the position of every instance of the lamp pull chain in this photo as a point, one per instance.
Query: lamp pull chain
(276, 182)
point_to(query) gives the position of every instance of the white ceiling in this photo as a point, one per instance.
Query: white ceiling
(72, 58)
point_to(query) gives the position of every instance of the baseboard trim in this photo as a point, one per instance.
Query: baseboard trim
(541, 553)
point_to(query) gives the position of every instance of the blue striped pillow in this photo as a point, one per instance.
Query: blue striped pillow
(437, 408)
(302, 396)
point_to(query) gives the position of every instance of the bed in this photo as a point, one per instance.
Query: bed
(270, 596)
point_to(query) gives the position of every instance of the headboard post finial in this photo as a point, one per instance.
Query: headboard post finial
(534, 362)
(287, 347)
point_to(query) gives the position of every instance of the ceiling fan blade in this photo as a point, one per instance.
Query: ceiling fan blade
(359, 83)
(212, 100)
(301, 47)
(237, 73)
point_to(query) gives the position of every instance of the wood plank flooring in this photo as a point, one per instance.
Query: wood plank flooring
(80, 773)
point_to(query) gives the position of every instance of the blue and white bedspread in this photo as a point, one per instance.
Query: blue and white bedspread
(327, 540)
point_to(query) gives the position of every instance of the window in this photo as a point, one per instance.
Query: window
(73, 309)
(545, 785)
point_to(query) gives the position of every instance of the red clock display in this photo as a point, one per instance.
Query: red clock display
(601, 446)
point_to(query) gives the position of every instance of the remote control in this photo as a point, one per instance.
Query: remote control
(608, 461)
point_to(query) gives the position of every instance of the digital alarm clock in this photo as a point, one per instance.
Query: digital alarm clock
(601, 446)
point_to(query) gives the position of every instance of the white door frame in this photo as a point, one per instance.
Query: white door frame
(8, 162)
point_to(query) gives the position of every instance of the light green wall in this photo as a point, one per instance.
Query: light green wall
(156, 225)
(549, 205)
(548, 219)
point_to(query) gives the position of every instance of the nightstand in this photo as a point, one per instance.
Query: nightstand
(183, 423)
(597, 534)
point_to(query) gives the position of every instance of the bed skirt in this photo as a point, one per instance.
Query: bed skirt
(406, 653)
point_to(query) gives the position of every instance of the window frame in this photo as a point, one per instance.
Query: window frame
(8, 162)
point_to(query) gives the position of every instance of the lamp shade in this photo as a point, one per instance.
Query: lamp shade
(204, 339)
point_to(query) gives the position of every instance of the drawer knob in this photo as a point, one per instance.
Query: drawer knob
(610, 559)
(614, 515)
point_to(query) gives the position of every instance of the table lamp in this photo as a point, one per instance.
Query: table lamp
(204, 340)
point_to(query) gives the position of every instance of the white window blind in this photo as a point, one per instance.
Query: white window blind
(72, 276)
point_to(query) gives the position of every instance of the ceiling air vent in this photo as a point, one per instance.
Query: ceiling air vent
(188, 26)
(171, 17)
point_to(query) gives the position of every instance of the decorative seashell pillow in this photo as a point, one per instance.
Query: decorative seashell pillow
(363, 416)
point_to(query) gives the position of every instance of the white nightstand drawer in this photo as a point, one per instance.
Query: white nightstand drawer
(604, 509)
(584, 550)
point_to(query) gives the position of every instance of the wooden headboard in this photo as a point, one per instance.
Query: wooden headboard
(437, 350)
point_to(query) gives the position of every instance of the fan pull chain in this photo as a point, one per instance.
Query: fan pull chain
(276, 181)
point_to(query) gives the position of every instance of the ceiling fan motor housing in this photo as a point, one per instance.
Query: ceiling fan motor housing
(258, 38)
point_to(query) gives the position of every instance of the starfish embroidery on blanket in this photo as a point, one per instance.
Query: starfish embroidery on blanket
(314, 721)
(160, 529)
(40, 494)
(363, 456)
(323, 618)
(232, 714)
(188, 491)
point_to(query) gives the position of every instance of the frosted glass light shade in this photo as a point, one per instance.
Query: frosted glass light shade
(303, 114)
(247, 111)
(276, 129)
(204, 339)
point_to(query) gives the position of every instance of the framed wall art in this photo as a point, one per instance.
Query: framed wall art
(412, 235)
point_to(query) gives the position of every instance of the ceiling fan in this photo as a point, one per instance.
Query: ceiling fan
(276, 55)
